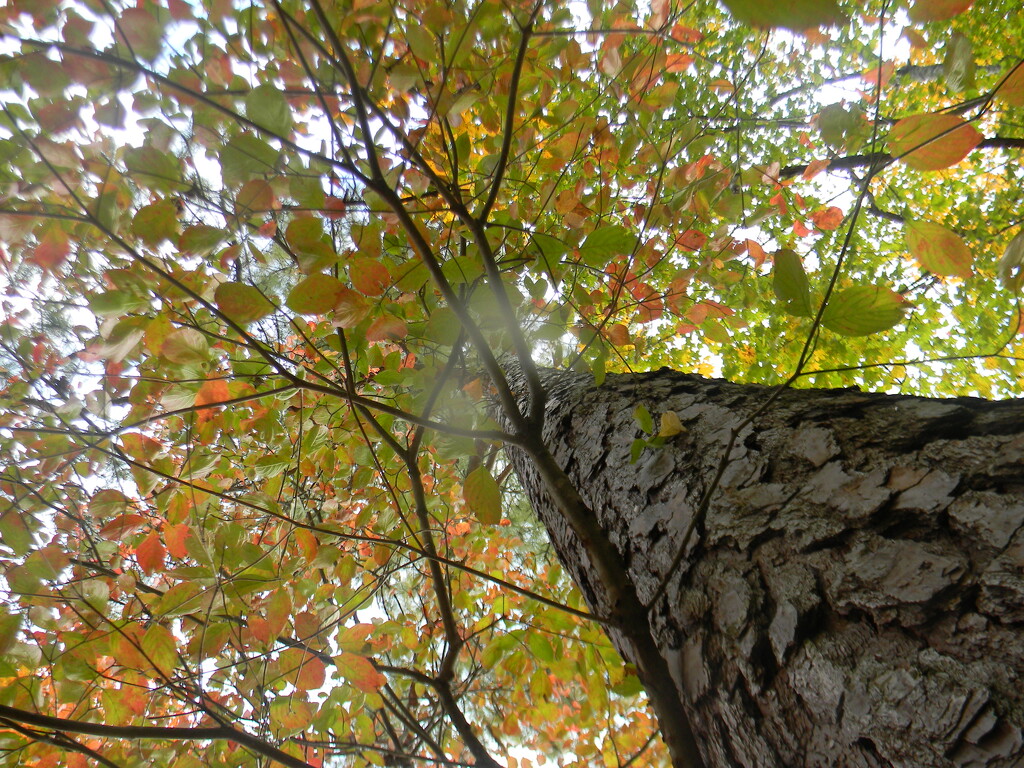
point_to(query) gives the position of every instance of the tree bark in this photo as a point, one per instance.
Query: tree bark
(852, 589)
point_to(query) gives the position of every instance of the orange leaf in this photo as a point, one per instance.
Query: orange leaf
(931, 142)
(703, 310)
(354, 638)
(617, 334)
(278, 609)
(175, 537)
(260, 629)
(880, 75)
(359, 671)
(386, 327)
(828, 219)
(150, 553)
(756, 252)
(307, 543)
(255, 196)
(369, 276)
(212, 391)
(915, 38)
(350, 309)
(686, 34)
(52, 250)
(678, 62)
(311, 674)
(814, 168)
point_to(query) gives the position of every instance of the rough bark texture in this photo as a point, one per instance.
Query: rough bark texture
(854, 594)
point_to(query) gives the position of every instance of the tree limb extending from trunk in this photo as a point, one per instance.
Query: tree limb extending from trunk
(199, 733)
(855, 593)
(880, 159)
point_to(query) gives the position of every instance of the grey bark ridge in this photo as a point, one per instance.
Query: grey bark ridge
(854, 596)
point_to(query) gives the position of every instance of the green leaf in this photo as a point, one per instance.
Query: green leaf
(843, 126)
(605, 242)
(938, 250)
(267, 106)
(315, 295)
(153, 168)
(864, 309)
(10, 628)
(1011, 265)
(246, 156)
(156, 222)
(116, 303)
(185, 346)
(790, 14)
(421, 42)
(482, 495)
(958, 63)
(541, 647)
(201, 239)
(789, 282)
(643, 419)
(636, 449)
(242, 303)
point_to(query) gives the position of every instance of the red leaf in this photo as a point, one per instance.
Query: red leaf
(334, 207)
(691, 240)
(938, 10)
(122, 525)
(1012, 88)
(150, 553)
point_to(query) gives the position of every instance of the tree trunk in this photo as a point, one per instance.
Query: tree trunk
(852, 589)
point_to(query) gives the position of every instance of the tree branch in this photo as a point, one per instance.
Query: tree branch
(170, 733)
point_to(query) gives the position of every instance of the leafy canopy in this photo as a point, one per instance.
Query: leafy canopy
(258, 256)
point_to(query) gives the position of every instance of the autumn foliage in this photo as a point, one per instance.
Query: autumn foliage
(260, 262)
